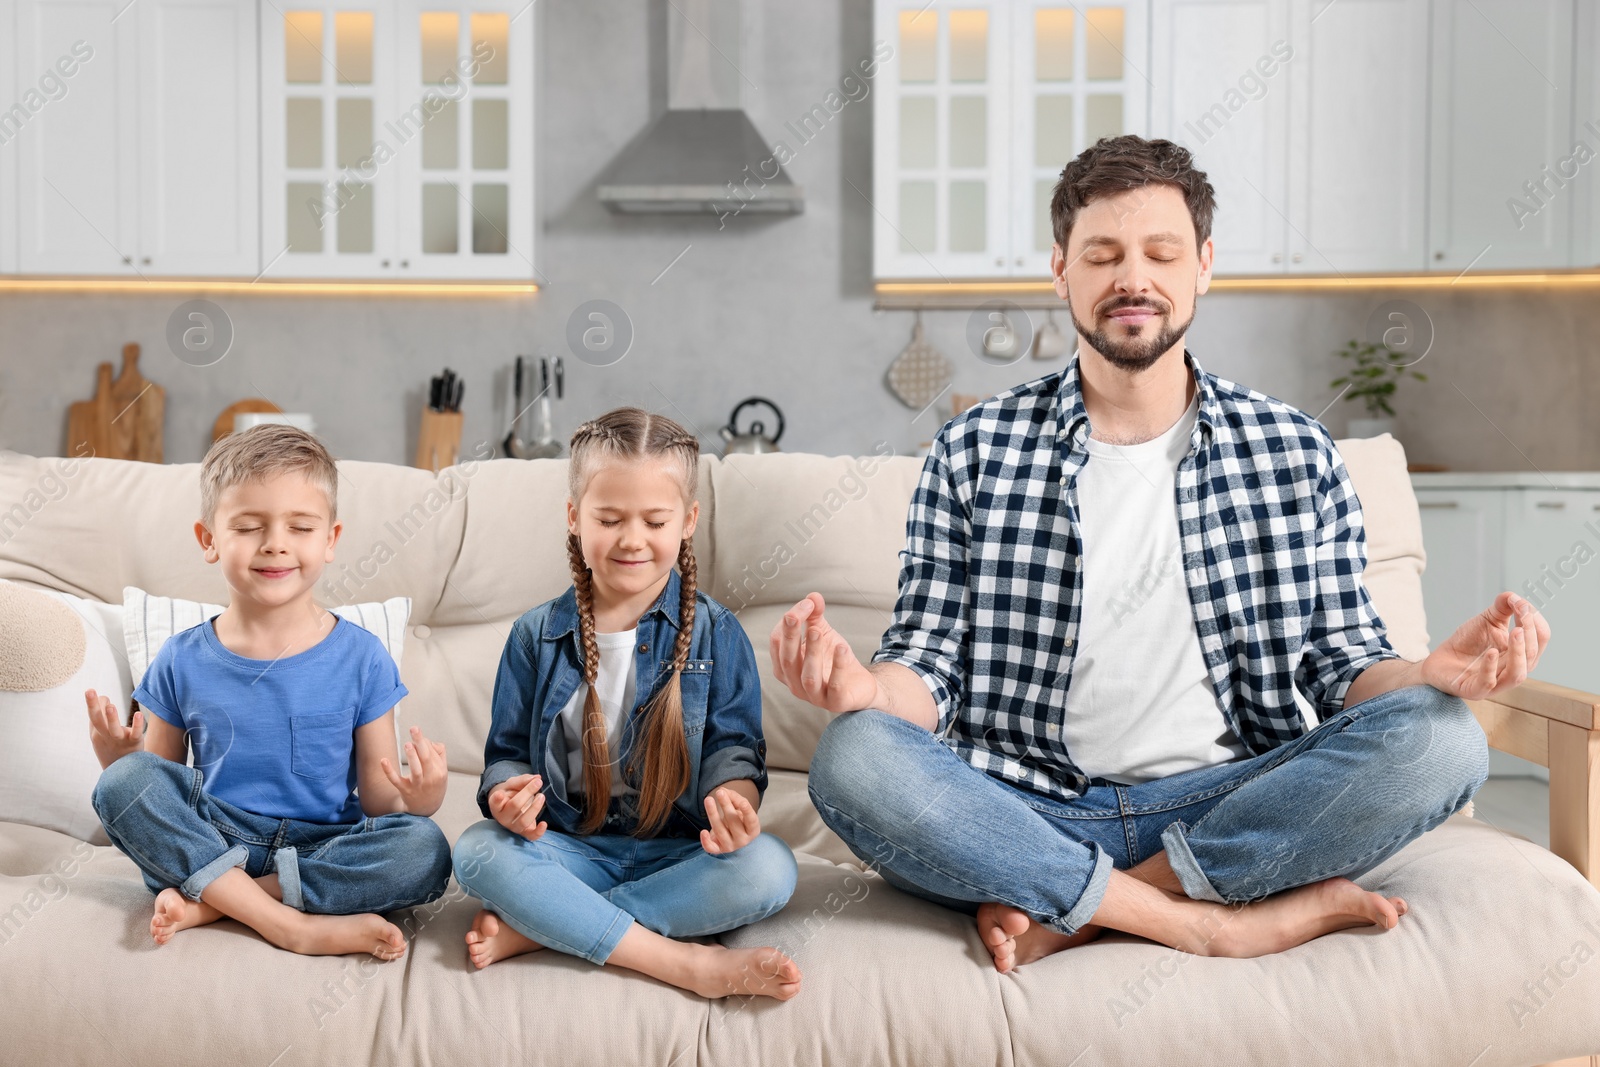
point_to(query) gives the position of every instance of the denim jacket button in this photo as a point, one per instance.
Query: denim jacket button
(644, 648)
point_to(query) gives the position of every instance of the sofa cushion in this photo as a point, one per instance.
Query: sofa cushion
(888, 978)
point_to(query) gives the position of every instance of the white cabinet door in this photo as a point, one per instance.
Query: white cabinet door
(1553, 559)
(465, 193)
(1078, 74)
(200, 211)
(328, 205)
(941, 141)
(1463, 534)
(77, 152)
(1220, 89)
(1501, 127)
(8, 143)
(1358, 135)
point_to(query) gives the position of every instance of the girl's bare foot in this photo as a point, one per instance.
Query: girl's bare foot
(1298, 915)
(1013, 938)
(719, 971)
(491, 940)
(338, 935)
(174, 912)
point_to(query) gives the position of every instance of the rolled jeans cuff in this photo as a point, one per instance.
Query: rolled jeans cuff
(621, 923)
(1094, 892)
(287, 862)
(1181, 858)
(237, 856)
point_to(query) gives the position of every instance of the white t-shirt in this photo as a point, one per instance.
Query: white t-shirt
(615, 683)
(1140, 705)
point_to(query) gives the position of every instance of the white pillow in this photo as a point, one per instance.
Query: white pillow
(148, 621)
(48, 769)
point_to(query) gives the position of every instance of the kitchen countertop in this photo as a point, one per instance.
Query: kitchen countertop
(1506, 480)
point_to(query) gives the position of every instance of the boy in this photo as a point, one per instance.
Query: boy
(288, 708)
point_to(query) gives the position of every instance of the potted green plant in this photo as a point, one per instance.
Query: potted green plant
(1375, 371)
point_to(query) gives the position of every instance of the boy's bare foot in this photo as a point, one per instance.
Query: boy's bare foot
(490, 940)
(1298, 915)
(1013, 938)
(719, 971)
(174, 912)
(337, 935)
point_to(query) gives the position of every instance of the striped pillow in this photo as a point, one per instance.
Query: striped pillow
(147, 622)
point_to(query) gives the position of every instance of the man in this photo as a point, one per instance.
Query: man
(1082, 716)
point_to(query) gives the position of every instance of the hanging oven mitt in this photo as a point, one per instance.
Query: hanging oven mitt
(919, 373)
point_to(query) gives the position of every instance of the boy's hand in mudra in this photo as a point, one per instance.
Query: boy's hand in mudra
(816, 662)
(734, 822)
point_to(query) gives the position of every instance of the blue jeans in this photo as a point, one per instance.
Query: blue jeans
(1338, 800)
(157, 813)
(581, 894)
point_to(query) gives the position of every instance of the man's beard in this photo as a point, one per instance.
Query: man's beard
(1132, 354)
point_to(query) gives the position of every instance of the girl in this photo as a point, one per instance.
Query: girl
(627, 713)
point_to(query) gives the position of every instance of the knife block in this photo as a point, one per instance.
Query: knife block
(438, 440)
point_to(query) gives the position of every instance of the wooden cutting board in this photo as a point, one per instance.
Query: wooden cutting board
(124, 418)
(253, 405)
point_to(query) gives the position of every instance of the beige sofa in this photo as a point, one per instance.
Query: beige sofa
(888, 978)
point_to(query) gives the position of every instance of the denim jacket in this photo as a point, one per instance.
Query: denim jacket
(542, 667)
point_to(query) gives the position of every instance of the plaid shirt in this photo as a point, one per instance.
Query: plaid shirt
(990, 589)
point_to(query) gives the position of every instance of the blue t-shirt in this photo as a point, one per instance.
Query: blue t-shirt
(275, 737)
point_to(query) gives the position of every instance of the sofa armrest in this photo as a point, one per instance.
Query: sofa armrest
(1558, 728)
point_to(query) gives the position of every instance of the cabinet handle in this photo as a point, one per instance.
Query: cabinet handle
(1277, 257)
(386, 263)
(1554, 505)
(405, 263)
(147, 261)
(1000, 262)
(1438, 504)
(128, 260)
(1438, 255)
(1020, 261)
(1298, 257)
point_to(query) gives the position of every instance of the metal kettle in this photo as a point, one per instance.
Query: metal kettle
(755, 439)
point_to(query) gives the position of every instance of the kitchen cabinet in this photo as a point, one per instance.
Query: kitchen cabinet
(140, 159)
(1220, 89)
(982, 105)
(1357, 136)
(8, 151)
(398, 140)
(1309, 120)
(1485, 533)
(1501, 134)
(1521, 534)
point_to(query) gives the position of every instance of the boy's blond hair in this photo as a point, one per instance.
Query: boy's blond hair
(260, 453)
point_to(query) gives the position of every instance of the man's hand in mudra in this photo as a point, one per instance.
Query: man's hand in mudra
(816, 662)
(1482, 657)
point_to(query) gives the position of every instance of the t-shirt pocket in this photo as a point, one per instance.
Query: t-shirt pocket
(320, 743)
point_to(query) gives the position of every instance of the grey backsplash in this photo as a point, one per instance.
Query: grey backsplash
(780, 308)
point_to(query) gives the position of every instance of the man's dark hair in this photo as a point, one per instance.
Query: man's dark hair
(1116, 164)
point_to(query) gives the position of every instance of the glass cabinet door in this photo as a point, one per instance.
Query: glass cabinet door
(465, 76)
(397, 140)
(1078, 75)
(942, 140)
(328, 179)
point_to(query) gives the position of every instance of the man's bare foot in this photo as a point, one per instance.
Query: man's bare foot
(1294, 917)
(490, 940)
(174, 912)
(719, 971)
(338, 935)
(1013, 938)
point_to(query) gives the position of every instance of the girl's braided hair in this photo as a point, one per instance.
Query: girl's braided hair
(628, 434)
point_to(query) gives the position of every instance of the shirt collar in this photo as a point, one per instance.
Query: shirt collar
(564, 612)
(1072, 418)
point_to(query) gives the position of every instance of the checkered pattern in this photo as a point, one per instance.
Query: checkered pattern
(989, 607)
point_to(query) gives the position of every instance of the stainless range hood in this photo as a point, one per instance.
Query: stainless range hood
(703, 154)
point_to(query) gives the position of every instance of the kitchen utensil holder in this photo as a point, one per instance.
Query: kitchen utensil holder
(438, 440)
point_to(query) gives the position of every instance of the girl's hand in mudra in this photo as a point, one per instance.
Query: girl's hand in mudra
(734, 823)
